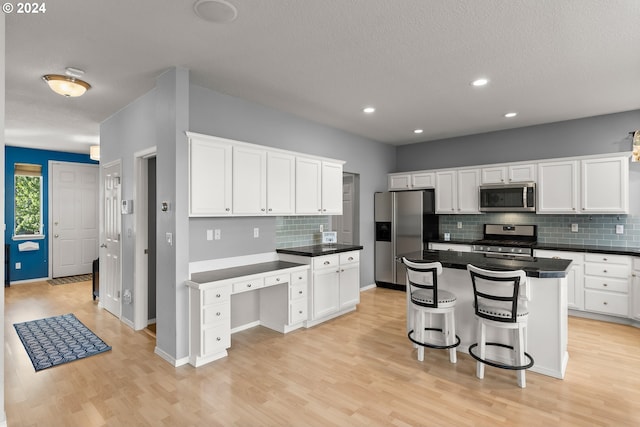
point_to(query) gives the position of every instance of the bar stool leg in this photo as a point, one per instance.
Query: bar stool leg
(451, 335)
(519, 347)
(419, 332)
(482, 339)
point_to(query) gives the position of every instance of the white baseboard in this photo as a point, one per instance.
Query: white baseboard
(22, 282)
(127, 322)
(245, 327)
(173, 361)
(366, 288)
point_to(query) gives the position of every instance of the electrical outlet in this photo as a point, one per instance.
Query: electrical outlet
(209, 234)
(18, 265)
(217, 234)
(574, 228)
(619, 229)
(459, 224)
(256, 233)
(321, 228)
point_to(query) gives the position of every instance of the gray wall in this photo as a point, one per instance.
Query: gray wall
(593, 135)
(213, 113)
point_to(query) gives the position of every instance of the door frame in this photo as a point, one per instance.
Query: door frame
(140, 259)
(49, 229)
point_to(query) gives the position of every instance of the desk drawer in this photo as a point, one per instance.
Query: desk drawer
(606, 284)
(606, 302)
(248, 285)
(215, 339)
(298, 291)
(299, 277)
(277, 279)
(606, 270)
(326, 261)
(217, 313)
(298, 311)
(216, 295)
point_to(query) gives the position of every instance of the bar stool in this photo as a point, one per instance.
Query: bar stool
(500, 301)
(424, 298)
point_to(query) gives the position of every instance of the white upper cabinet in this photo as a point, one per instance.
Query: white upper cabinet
(423, 180)
(509, 173)
(229, 177)
(209, 163)
(468, 182)
(281, 183)
(605, 185)
(249, 181)
(400, 182)
(558, 187)
(331, 188)
(447, 190)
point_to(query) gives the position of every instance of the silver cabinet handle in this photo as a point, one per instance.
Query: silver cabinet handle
(277, 279)
(605, 285)
(218, 314)
(300, 292)
(327, 263)
(218, 295)
(249, 285)
(350, 258)
(218, 339)
(104, 245)
(227, 209)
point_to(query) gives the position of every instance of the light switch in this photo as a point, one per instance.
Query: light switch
(217, 234)
(209, 234)
(619, 229)
(169, 238)
(459, 224)
(256, 232)
(574, 228)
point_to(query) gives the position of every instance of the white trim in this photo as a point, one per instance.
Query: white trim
(368, 287)
(245, 326)
(141, 237)
(173, 361)
(127, 322)
(217, 264)
(23, 282)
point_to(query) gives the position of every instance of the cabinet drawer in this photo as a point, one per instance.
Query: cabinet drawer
(216, 314)
(326, 261)
(607, 284)
(248, 285)
(606, 302)
(216, 295)
(298, 291)
(299, 277)
(607, 259)
(277, 279)
(349, 257)
(298, 311)
(606, 270)
(216, 339)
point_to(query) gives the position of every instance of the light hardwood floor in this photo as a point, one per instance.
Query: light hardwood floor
(357, 370)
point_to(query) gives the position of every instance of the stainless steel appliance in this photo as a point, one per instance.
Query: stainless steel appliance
(507, 239)
(508, 197)
(405, 223)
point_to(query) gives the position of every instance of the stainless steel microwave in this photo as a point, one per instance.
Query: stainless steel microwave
(519, 197)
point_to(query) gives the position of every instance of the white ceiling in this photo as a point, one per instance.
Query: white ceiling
(549, 60)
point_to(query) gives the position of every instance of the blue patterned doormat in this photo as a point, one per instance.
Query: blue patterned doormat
(57, 340)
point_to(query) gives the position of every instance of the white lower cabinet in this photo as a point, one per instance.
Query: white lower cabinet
(209, 324)
(606, 283)
(635, 290)
(575, 276)
(334, 286)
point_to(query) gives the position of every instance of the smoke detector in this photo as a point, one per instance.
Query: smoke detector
(219, 11)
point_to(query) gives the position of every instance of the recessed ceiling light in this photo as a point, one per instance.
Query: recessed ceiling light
(512, 114)
(418, 131)
(480, 82)
(368, 110)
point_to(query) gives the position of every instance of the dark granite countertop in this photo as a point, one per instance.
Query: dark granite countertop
(542, 268)
(319, 250)
(613, 250)
(244, 270)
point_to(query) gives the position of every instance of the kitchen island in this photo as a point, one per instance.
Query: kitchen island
(547, 325)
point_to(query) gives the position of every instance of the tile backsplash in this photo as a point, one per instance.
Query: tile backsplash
(293, 231)
(592, 229)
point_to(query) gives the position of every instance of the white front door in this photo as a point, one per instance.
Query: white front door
(74, 218)
(110, 247)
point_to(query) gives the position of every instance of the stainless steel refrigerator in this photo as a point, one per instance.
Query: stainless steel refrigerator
(405, 223)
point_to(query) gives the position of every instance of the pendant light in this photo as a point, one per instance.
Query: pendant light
(68, 85)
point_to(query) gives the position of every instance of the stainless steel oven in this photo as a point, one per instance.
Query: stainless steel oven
(508, 197)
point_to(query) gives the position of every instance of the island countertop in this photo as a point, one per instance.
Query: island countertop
(319, 250)
(533, 266)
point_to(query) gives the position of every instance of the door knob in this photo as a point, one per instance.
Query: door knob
(103, 245)
(56, 235)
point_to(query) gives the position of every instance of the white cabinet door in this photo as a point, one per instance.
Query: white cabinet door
(399, 182)
(494, 175)
(446, 195)
(308, 186)
(605, 185)
(249, 181)
(331, 188)
(468, 182)
(522, 173)
(575, 275)
(210, 165)
(635, 290)
(558, 187)
(326, 292)
(423, 180)
(281, 180)
(349, 285)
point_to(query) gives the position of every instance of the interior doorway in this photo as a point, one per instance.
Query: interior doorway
(145, 241)
(348, 224)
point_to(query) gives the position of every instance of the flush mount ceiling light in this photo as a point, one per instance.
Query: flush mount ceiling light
(69, 84)
(368, 110)
(418, 131)
(479, 82)
(94, 153)
(218, 11)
